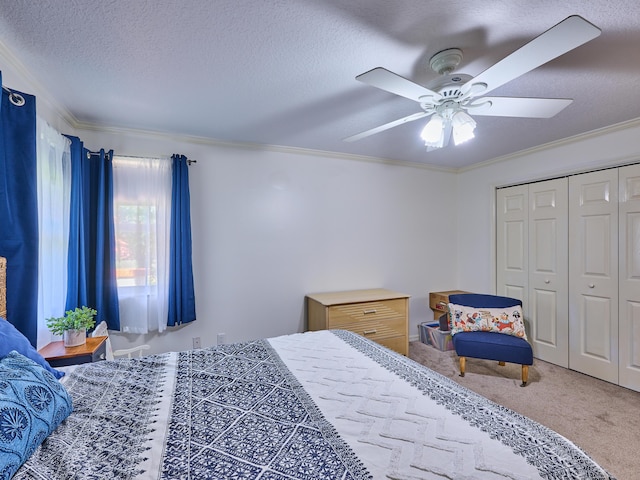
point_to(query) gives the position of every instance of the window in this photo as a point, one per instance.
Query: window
(136, 243)
(142, 209)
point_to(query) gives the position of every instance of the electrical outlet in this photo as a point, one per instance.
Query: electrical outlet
(196, 342)
(221, 339)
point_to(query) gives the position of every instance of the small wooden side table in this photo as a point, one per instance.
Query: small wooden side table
(60, 356)
(438, 302)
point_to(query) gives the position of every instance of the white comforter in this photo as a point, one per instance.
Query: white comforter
(395, 429)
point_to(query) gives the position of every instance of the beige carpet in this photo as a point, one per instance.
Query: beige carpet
(601, 418)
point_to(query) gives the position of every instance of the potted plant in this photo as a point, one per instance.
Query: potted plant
(73, 326)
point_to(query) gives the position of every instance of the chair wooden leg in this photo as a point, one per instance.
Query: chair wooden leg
(463, 361)
(501, 364)
(525, 375)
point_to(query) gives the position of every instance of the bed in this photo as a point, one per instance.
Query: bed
(325, 405)
(318, 405)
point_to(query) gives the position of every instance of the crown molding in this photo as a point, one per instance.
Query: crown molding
(617, 127)
(199, 140)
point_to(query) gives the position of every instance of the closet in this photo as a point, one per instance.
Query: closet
(569, 248)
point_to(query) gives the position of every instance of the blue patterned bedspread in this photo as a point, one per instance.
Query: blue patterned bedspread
(237, 413)
(280, 409)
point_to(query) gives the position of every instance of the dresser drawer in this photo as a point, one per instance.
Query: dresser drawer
(341, 316)
(375, 329)
(398, 344)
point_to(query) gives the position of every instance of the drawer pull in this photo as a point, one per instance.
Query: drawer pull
(368, 312)
(441, 306)
(370, 332)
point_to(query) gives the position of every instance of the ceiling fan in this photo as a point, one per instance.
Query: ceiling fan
(453, 98)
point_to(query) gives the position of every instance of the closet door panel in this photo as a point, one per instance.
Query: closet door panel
(629, 286)
(593, 274)
(512, 243)
(548, 276)
(543, 306)
(596, 315)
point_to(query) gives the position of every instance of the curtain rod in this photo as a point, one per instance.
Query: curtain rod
(189, 162)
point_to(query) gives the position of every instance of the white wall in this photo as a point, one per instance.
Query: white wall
(271, 225)
(613, 146)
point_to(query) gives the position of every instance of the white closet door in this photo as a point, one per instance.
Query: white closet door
(512, 243)
(548, 271)
(593, 274)
(630, 277)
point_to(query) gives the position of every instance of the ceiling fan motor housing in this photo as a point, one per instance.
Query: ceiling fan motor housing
(448, 87)
(446, 61)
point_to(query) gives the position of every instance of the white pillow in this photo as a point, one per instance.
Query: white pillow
(506, 320)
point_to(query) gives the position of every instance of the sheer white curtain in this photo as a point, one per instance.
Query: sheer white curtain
(54, 189)
(142, 206)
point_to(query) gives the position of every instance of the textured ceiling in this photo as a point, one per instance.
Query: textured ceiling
(282, 72)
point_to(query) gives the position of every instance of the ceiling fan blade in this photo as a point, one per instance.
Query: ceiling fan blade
(565, 36)
(392, 82)
(387, 126)
(518, 107)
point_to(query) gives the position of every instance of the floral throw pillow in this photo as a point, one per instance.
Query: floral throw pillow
(507, 320)
(32, 404)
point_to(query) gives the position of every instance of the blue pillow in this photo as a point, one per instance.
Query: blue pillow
(12, 339)
(32, 404)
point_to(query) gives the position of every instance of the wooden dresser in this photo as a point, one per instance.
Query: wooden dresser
(378, 314)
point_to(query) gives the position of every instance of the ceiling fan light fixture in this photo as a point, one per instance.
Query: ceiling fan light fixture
(463, 127)
(433, 132)
(441, 126)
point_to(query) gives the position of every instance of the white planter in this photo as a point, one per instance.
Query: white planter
(73, 338)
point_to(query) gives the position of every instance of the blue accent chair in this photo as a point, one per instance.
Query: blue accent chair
(491, 345)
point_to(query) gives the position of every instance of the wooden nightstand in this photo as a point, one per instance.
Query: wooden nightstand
(60, 356)
(439, 301)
